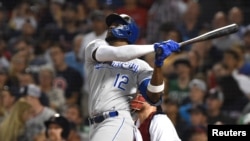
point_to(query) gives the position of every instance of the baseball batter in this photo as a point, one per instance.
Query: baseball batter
(115, 74)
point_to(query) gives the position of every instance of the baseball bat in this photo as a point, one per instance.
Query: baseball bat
(219, 32)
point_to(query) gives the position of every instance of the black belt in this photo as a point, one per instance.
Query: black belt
(101, 118)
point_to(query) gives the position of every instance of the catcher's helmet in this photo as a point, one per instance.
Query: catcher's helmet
(137, 103)
(129, 29)
(62, 122)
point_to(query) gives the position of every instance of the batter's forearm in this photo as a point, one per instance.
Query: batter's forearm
(156, 87)
(122, 53)
(157, 77)
(157, 81)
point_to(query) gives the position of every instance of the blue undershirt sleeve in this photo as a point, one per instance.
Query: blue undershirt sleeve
(143, 90)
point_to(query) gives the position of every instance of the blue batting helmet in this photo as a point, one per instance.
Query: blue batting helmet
(129, 29)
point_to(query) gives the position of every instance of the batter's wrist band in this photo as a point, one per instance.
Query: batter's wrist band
(155, 89)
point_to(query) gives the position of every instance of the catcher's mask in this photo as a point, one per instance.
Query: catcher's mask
(137, 103)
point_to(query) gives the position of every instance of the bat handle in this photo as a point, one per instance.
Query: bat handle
(181, 44)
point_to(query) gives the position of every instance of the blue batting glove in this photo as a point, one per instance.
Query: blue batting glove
(172, 45)
(162, 51)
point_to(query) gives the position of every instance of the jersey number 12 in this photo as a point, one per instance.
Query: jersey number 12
(120, 81)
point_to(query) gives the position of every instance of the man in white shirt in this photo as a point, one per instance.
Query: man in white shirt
(41, 113)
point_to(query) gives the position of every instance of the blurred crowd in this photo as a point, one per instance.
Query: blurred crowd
(42, 64)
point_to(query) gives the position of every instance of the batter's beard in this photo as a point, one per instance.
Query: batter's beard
(111, 39)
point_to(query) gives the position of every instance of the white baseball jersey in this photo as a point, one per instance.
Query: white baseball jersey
(161, 129)
(112, 83)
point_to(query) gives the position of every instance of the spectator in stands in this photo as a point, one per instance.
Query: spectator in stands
(55, 95)
(178, 87)
(214, 102)
(92, 5)
(41, 113)
(69, 28)
(5, 85)
(239, 70)
(195, 60)
(83, 24)
(66, 78)
(28, 32)
(197, 93)
(169, 30)
(225, 42)
(4, 78)
(8, 97)
(219, 20)
(233, 60)
(235, 15)
(231, 86)
(58, 128)
(21, 45)
(72, 58)
(160, 12)
(243, 65)
(17, 66)
(11, 129)
(20, 14)
(198, 118)
(26, 77)
(198, 115)
(138, 13)
(74, 115)
(26, 49)
(4, 27)
(52, 15)
(190, 25)
(208, 55)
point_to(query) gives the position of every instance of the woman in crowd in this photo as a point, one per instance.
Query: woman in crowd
(55, 95)
(12, 126)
